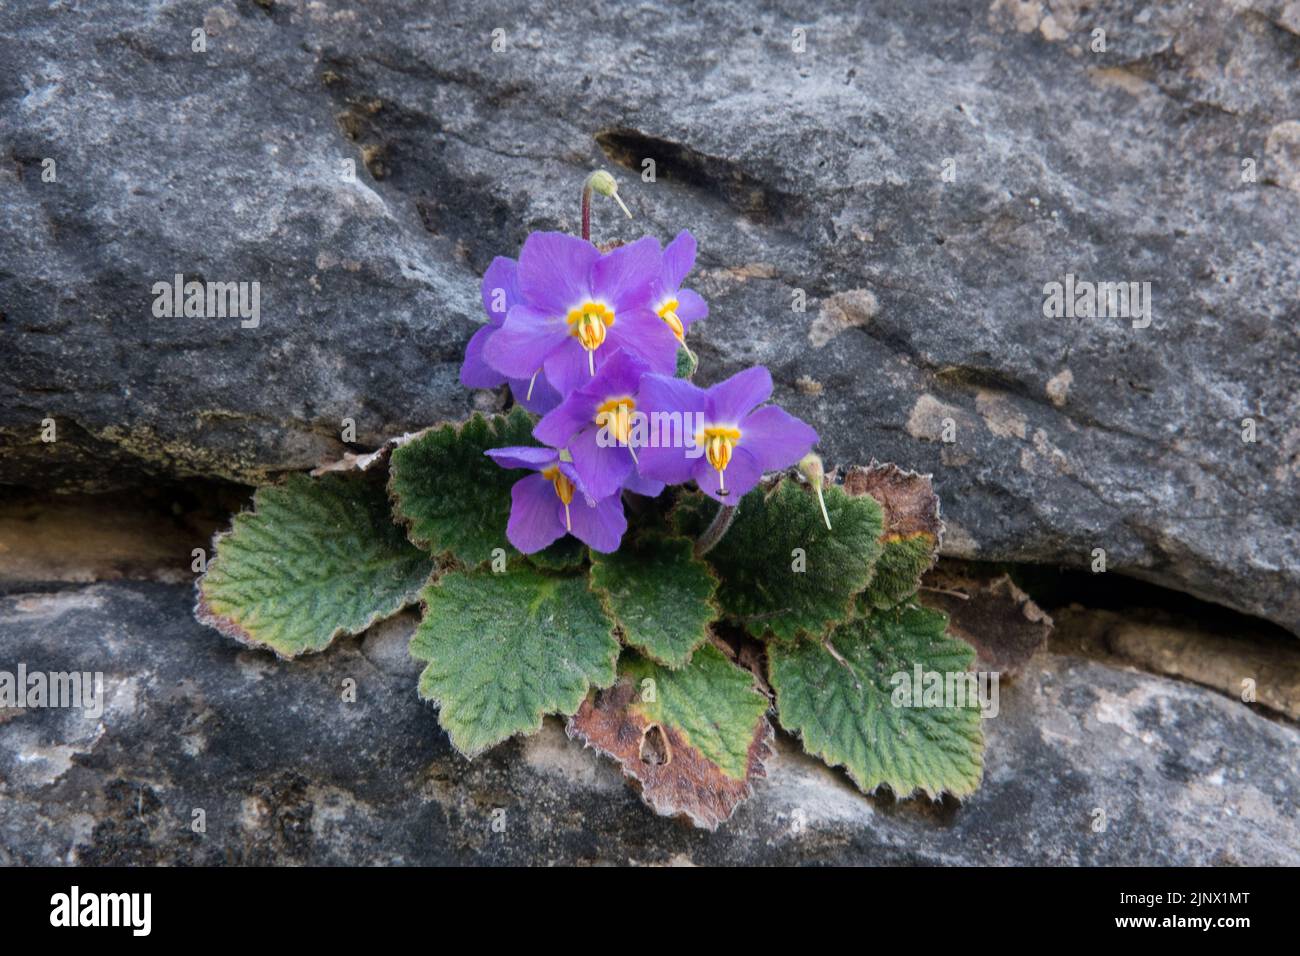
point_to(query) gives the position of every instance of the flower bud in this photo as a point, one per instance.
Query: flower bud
(603, 183)
(810, 466)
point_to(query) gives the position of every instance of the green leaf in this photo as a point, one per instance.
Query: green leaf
(314, 559)
(451, 496)
(903, 560)
(783, 574)
(912, 533)
(505, 649)
(660, 595)
(685, 364)
(562, 555)
(847, 711)
(695, 739)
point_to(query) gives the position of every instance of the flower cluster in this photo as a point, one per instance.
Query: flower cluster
(589, 341)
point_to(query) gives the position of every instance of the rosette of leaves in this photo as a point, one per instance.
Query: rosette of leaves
(664, 659)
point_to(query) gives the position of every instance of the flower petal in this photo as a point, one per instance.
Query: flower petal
(474, 372)
(534, 522)
(602, 469)
(600, 526)
(619, 376)
(524, 456)
(565, 420)
(743, 473)
(520, 347)
(663, 393)
(732, 400)
(670, 465)
(641, 485)
(647, 336)
(500, 289)
(622, 277)
(567, 366)
(775, 438)
(543, 398)
(679, 259)
(570, 472)
(691, 306)
(672, 409)
(555, 271)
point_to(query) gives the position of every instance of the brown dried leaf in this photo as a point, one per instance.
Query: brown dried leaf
(912, 532)
(694, 750)
(999, 620)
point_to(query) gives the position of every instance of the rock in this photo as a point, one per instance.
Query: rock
(233, 165)
(1269, 670)
(285, 771)
(818, 172)
(147, 534)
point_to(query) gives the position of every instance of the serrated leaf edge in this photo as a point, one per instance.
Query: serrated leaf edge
(761, 750)
(395, 499)
(204, 613)
(959, 795)
(541, 717)
(850, 609)
(837, 473)
(620, 635)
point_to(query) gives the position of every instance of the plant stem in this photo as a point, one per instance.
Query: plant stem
(601, 182)
(714, 532)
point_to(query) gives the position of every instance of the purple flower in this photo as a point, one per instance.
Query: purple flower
(714, 435)
(543, 509)
(578, 307)
(677, 307)
(500, 292)
(595, 422)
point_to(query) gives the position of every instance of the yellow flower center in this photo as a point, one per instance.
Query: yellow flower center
(668, 312)
(588, 323)
(563, 490)
(616, 415)
(718, 441)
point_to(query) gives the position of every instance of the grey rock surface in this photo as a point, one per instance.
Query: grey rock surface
(818, 171)
(287, 772)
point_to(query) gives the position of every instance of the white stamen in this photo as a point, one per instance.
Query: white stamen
(822, 501)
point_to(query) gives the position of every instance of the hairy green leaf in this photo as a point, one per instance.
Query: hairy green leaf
(852, 712)
(505, 649)
(694, 738)
(452, 497)
(660, 595)
(562, 555)
(314, 559)
(783, 574)
(685, 364)
(912, 533)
